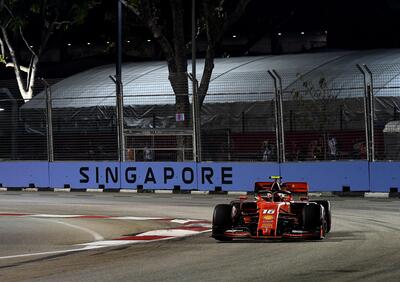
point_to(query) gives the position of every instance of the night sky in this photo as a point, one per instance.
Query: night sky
(350, 23)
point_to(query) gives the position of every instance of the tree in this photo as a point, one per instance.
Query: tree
(166, 22)
(316, 105)
(26, 27)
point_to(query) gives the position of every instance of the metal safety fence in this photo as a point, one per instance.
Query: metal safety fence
(277, 115)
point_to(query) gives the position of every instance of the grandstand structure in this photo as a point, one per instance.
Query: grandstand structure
(323, 97)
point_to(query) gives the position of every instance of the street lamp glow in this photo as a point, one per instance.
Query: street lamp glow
(88, 43)
(279, 34)
(302, 33)
(69, 44)
(148, 40)
(128, 41)
(1, 109)
(108, 42)
(234, 36)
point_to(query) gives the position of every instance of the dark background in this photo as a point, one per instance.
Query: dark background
(351, 24)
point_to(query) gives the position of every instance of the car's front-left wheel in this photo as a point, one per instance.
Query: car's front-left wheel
(222, 220)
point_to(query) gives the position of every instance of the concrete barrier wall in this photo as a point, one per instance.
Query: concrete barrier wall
(322, 176)
(384, 175)
(22, 174)
(329, 176)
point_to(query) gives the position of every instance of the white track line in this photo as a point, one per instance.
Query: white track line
(86, 248)
(96, 236)
(136, 218)
(169, 232)
(184, 221)
(55, 215)
(165, 234)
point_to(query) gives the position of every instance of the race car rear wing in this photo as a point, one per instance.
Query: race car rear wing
(294, 187)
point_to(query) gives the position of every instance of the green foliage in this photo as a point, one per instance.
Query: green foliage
(35, 8)
(21, 13)
(134, 3)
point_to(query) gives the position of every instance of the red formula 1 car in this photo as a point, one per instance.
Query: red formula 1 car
(273, 214)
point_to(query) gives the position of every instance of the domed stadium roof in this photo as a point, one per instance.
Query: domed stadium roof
(240, 79)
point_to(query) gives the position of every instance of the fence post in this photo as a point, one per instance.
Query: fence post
(120, 117)
(368, 111)
(49, 123)
(196, 139)
(280, 135)
(371, 111)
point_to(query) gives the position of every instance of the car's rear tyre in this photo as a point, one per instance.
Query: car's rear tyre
(314, 220)
(222, 220)
(311, 216)
(328, 215)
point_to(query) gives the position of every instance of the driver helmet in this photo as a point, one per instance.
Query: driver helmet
(275, 187)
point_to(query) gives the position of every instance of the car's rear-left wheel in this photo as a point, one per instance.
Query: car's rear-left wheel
(222, 220)
(328, 215)
(314, 220)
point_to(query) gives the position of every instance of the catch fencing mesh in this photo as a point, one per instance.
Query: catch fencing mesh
(323, 112)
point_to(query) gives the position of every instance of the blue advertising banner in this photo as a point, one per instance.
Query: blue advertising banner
(321, 176)
(22, 174)
(161, 175)
(329, 176)
(85, 174)
(158, 175)
(385, 175)
(234, 176)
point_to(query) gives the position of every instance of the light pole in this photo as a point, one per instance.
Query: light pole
(49, 115)
(118, 86)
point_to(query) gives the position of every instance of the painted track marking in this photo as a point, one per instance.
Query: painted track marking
(96, 236)
(190, 227)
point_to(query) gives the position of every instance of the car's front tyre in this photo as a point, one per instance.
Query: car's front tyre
(222, 220)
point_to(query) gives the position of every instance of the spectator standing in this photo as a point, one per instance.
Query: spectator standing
(147, 154)
(267, 153)
(332, 143)
(295, 151)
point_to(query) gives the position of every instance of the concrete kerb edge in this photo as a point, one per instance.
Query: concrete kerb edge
(376, 195)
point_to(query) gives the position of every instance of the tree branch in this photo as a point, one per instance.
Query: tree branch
(178, 35)
(233, 18)
(2, 50)
(15, 65)
(147, 18)
(210, 52)
(21, 68)
(26, 42)
(131, 8)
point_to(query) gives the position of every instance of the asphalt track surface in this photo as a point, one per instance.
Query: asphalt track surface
(364, 244)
